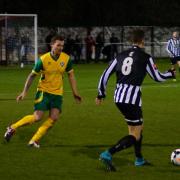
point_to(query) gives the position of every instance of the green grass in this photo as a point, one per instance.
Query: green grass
(70, 150)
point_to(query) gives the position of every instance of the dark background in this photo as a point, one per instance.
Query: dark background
(98, 13)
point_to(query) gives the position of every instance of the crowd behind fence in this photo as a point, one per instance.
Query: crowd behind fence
(105, 42)
(84, 45)
(108, 51)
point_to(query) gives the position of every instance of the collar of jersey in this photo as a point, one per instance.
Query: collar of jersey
(54, 58)
(135, 46)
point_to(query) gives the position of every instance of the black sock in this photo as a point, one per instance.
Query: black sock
(137, 147)
(124, 143)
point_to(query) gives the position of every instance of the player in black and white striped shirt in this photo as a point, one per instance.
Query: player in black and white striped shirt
(173, 48)
(131, 67)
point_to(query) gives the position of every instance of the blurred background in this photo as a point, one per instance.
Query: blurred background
(95, 31)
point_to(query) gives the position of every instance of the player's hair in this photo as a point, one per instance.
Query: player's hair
(137, 36)
(176, 30)
(57, 37)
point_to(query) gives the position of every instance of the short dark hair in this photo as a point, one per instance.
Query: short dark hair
(137, 36)
(57, 37)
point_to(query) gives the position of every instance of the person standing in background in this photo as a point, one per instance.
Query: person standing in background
(173, 48)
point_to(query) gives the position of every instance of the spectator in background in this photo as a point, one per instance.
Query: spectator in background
(90, 47)
(106, 51)
(114, 48)
(48, 39)
(11, 47)
(99, 45)
(69, 45)
(173, 48)
(25, 44)
(77, 49)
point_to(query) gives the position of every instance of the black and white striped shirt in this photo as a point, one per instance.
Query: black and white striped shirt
(173, 47)
(131, 67)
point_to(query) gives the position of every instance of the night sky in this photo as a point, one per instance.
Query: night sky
(98, 13)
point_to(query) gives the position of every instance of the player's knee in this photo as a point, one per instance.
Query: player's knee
(136, 135)
(37, 117)
(54, 114)
(136, 131)
(54, 117)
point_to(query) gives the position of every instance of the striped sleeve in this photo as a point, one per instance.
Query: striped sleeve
(104, 79)
(169, 47)
(154, 72)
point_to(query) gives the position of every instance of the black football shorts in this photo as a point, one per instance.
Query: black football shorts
(132, 113)
(174, 60)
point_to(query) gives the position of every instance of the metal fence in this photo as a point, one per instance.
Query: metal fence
(107, 51)
(155, 39)
(113, 40)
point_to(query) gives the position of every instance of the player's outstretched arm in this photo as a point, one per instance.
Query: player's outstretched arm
(27, 85)
(155, 74)
(73, 84)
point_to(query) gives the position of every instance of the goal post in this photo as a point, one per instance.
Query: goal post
(18, 39)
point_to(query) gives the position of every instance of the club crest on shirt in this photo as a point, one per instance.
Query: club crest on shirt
(61, 64)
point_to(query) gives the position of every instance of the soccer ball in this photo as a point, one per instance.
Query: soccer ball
(175, 157)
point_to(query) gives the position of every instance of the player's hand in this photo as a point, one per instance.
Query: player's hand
(77, 98)
(20, 97)
(98, 101)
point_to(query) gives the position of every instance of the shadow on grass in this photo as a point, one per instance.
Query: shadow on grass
(105, 146)
(14, 99)
(93, 151)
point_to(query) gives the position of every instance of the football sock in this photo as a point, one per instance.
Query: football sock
(137, 147)
(42, 130)
(24, 121)
(124, 143)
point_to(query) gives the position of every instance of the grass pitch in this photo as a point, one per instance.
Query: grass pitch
(71, 148)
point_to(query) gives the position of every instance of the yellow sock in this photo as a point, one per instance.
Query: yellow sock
(24, 121)
(42, 130)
